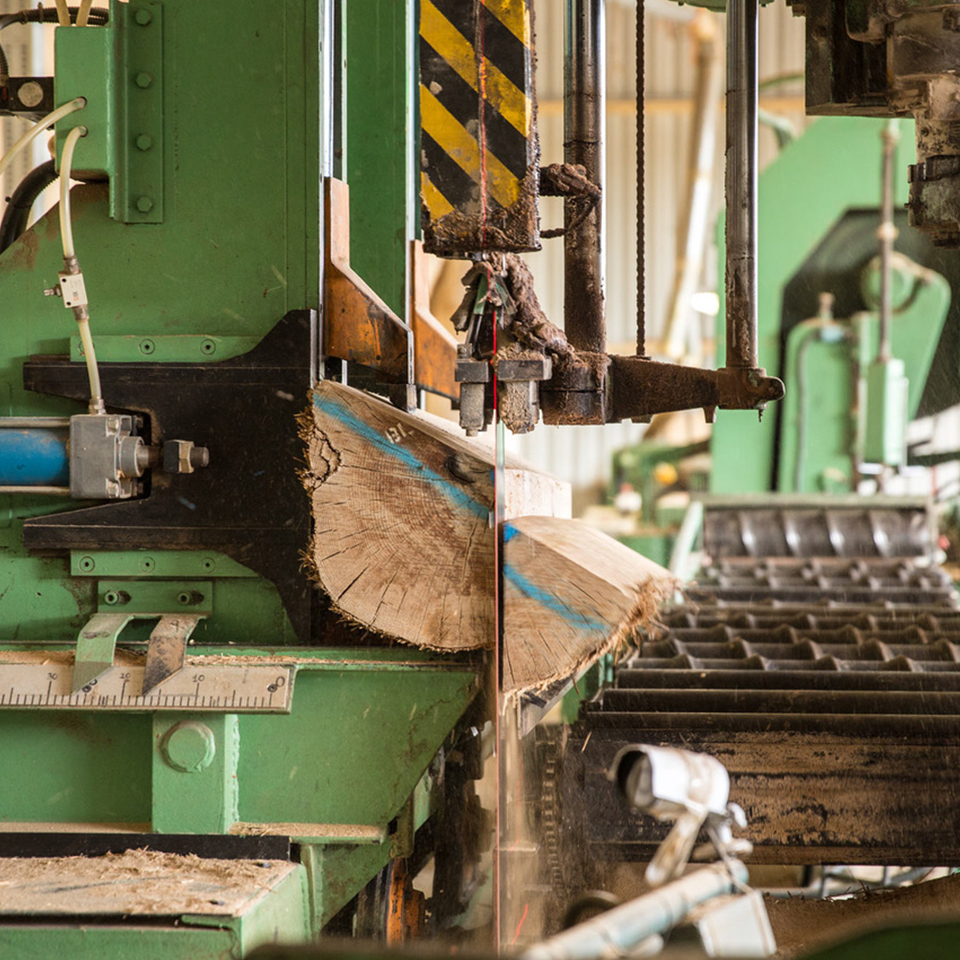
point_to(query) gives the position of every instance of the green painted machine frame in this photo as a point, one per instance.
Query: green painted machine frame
(798, 208)
(208, 130)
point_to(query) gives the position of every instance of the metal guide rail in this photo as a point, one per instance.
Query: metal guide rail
(200, 687)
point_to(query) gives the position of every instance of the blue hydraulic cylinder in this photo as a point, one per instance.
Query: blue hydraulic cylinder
(34, 456)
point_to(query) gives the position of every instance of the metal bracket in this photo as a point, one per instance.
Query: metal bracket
(138, 195)
(157, 598)
(27, 97)
(97, 641)
(95, 647)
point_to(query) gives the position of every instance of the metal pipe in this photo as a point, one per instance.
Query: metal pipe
(887, 233)
(641, 185)
(31, 457)
(741, 184)
(617, 932)
(583, 123)
(22, 423)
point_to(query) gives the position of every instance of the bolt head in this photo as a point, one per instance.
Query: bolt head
(189, 747)
(143, 16)
(143, 79)
(30, 94)
(144, 204)
(144, 141)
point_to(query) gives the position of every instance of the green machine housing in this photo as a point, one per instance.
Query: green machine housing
(844, 415)
(310, 763)
(819, 236)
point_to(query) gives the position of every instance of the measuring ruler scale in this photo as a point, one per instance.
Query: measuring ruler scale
(212, 687)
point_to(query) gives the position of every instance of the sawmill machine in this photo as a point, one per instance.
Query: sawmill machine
(188, 720)
(198, 756)
(203, 751)
(207, 746)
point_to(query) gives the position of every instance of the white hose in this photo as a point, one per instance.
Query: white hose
(70, 265)
(93, 371)
(51, 118)
(66, 167)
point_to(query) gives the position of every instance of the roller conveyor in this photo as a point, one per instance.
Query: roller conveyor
(827, 684)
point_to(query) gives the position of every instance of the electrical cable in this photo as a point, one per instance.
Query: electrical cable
(83, 12)
(72, 267)
(63, 13)
(48, 121)
(16, 217)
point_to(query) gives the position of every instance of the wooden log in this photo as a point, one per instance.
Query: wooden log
(404, 543)
(403, 534)
(570, 594)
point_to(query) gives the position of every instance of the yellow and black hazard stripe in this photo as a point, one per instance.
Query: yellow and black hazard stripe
(479, 154)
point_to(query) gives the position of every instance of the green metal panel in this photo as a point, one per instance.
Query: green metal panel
(279, 916)
(914, 332)
(381, 70)
(195, 773)
(829, 421)
(884, 412)
(818, 438)
(95, 942)
(353, 747)
(798, 205)
(361, 732)
(74, 51)
(238, 248)
(655, 546)
(74, 767)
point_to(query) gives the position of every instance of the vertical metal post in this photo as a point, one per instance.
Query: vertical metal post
(641, 191)
(696, 218)
(584, 100)
(887, 234)
(741, 184)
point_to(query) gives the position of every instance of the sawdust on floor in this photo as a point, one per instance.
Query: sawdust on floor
(137, 882)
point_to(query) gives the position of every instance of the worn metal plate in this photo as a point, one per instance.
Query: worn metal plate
(479, 155)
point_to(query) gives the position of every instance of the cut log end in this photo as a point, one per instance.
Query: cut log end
(403, 543)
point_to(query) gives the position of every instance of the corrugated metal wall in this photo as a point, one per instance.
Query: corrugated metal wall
(29, 53)
(581, 455)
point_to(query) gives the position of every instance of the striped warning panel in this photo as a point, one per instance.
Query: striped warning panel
(479, 153)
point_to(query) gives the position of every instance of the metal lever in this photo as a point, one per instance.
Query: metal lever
(167, 648)
(95, 647)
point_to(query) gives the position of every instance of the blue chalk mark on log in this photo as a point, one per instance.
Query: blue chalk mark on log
(543, 597)
(460, 498)
(551, 602)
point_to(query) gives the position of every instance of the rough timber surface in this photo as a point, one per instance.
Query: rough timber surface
(571, 593)
(404, 544)
(403, 539)
(135, 883)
